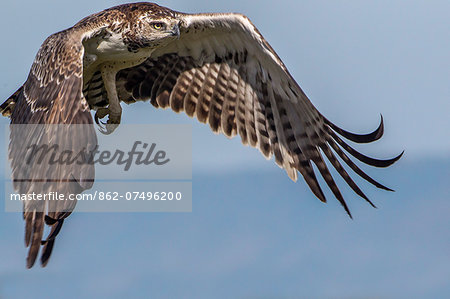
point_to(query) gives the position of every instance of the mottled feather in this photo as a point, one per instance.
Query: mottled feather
(231, 79)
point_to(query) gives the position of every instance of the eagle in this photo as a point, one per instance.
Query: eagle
(216, 67)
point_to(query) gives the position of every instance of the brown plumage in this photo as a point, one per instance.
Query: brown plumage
(215, 67)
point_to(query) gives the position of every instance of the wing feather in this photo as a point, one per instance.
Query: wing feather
(181, 86)
(224, 73)
(51, 95)
(228, 117)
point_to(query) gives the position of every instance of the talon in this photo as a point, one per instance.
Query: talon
(111, 124)
(102, 130)
(100, 113)
(110, 128)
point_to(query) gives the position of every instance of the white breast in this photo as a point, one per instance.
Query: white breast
(110, 49)
(107, 47)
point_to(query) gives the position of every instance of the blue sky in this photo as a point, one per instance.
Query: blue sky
(253, 232)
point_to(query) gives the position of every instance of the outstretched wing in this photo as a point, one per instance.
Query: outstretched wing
(51, 95)
(222, 71)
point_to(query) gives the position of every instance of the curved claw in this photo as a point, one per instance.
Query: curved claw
(96, 118)
(100, 113)
(102, 129)
(106, 128)
(101, 125)
(110, 125)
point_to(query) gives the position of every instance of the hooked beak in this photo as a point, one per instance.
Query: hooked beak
(176, 31)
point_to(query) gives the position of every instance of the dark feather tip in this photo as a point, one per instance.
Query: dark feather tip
(49, 220)
(359, 138)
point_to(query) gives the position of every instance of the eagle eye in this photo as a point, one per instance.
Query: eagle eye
(158, 26)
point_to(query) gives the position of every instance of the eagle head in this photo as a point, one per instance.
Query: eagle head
(152, 25)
